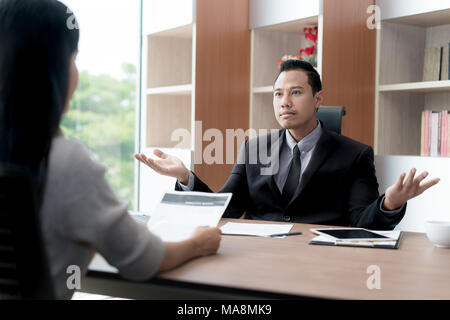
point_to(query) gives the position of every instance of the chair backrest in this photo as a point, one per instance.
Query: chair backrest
(331, 117)
(24, 272)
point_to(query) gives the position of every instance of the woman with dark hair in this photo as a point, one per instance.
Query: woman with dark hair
(79, 213)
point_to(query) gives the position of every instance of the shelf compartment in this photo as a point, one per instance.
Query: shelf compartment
(271, 43)
(165, 114)
(169, 57)
(262, 115)
(171, 90)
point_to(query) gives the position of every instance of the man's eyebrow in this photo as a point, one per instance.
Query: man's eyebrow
(295, 87)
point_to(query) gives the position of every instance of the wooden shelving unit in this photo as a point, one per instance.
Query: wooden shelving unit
(195, 63)
(169, 86)
(401, 95)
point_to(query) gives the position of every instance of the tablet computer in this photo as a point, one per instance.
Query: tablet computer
(349, 234)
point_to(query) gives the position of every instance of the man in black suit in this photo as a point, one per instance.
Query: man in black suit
(314, 175)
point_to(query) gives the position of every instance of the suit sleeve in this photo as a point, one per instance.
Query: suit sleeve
(364, 200)
(236, 184)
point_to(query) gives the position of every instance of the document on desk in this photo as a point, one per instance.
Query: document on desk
(178, 213)
(254, 229)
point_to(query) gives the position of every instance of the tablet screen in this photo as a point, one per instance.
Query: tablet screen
(353, 234)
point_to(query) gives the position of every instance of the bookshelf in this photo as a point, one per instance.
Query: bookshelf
(169, 86)
(195, 69)
(401, 95)
(268, 45)
(167, 90)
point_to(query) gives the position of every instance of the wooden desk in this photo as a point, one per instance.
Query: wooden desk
(256, 267)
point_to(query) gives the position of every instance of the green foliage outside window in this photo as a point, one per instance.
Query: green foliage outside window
(102, 116)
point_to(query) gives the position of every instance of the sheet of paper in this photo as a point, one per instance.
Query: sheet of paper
(254, 229)
(178, 213)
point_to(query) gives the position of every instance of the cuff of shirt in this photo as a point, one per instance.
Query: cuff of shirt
(190, 185)
(390, 212)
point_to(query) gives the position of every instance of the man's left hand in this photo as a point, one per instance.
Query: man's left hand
(403, 190)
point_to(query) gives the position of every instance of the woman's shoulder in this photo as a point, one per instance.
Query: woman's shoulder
(71, 157)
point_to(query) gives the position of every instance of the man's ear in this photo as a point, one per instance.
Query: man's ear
(319, 99)
(319, 95)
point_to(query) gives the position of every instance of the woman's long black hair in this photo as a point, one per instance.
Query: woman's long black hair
(37, 41)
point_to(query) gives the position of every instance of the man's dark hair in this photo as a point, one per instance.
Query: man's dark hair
(313, 75)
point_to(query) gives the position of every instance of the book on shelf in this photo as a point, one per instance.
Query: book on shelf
(445, 63)
(426, 133)
(422, 135)
(432, 64)
(435, 133)
(444, 134)
(448, 136)
(436, 63)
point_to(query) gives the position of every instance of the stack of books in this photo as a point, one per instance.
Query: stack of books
(435, 136)
(436, 63)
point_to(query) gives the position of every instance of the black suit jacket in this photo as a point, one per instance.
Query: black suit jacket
(339, 187)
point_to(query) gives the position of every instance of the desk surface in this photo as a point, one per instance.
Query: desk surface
(290, 266)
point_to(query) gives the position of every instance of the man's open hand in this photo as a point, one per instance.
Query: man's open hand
(166, 165)
(403, 190)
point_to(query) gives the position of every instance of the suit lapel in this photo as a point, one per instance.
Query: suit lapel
(324, 148)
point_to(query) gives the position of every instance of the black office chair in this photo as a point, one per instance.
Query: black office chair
(24, 272)
(331, 117)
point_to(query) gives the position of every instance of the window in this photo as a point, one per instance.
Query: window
(102, 111)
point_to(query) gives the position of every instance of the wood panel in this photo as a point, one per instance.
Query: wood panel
(400, 123)
(222, 76)
(397, 42)
(348, 65)
(165, 115)
(169, 61)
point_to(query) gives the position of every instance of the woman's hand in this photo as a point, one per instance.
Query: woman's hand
(206, 240)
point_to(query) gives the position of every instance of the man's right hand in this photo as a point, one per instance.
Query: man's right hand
(167, 165)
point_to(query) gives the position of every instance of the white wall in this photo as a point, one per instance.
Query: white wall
(399, 8)
(433, 204)
(269, 12)
(159, 15)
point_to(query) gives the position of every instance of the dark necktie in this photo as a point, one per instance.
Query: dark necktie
(293, 176)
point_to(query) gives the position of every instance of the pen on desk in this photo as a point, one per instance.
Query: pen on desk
(284, 234)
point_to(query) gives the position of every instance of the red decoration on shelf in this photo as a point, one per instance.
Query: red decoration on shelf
(311, 51)
(308, 53)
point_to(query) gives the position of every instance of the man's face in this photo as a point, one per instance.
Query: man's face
(293, 101)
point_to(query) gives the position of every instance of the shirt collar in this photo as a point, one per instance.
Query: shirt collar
(308, 142)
